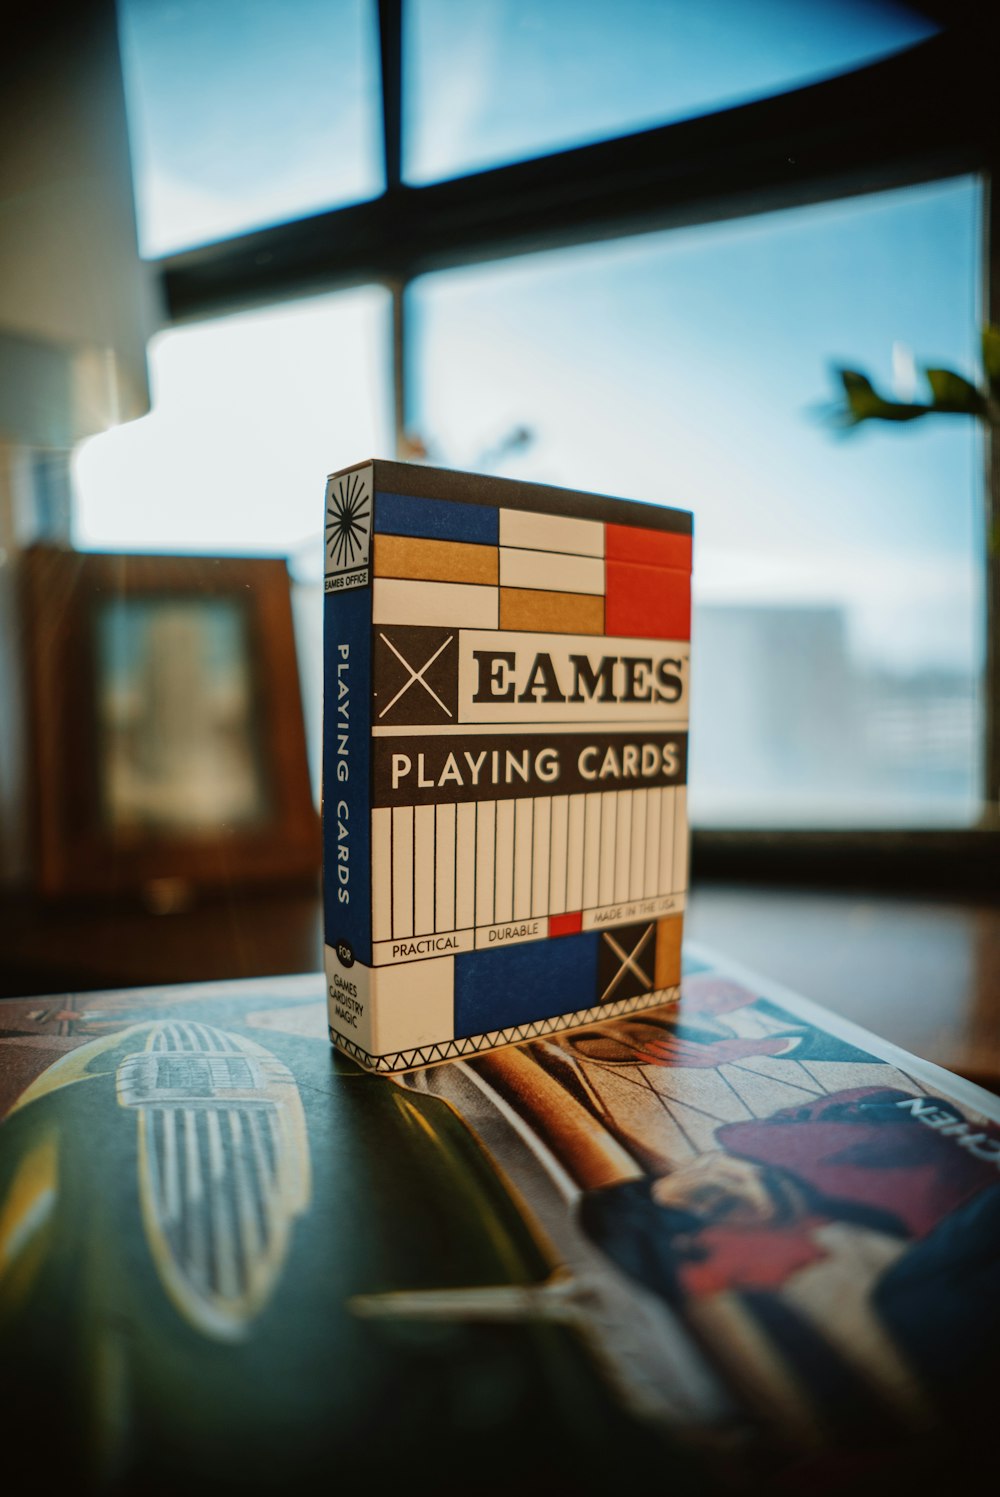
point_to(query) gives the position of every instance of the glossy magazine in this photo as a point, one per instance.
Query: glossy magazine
(734, 1239)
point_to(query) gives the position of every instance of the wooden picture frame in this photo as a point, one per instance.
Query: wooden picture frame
(168, 744)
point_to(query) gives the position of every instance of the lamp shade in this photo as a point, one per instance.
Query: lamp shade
(74, 304)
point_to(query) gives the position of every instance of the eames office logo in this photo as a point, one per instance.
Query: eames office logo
(348, 529)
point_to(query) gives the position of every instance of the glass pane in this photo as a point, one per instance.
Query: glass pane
(838, 579)
(503, 80)
(250, 413)
(248, 112)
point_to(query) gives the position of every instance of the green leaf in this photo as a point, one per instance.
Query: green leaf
(864, 403)
(955, 395)
(991, 358)
(993, 540)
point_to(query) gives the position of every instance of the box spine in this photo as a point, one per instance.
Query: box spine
(347, 876)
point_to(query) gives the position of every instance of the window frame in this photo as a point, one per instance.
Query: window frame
(920, 116)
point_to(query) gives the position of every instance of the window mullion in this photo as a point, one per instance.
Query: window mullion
(398, 364)
(390, 24)
(991, 310)
(390, 27)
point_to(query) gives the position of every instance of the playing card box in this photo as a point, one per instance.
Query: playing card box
(506, 688)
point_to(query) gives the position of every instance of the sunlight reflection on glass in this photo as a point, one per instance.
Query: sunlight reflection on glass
(246, 112)
(250, 413)
(837, 640)
(502, 80)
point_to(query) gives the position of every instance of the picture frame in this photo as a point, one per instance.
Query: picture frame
(168, 746)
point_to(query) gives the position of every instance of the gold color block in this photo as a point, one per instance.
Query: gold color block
(435, 561)
(551, 613)
(667, 973)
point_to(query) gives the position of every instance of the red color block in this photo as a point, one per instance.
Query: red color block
(565, 925)
(647, 602)
(649, 548)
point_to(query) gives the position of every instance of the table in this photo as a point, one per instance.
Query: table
(726, 1246)
(923, 972)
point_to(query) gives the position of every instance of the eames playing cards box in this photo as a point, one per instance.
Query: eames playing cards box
(505, 752)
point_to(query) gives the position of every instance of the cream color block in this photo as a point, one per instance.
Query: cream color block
(545, 572)
(414, 1004)
(454, 604)
(523, 527)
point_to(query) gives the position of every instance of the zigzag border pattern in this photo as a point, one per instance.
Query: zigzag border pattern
(409, 1060)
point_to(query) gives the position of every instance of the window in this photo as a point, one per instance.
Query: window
(247, 411)
(502, 80)
(839, 616)
(250, 412)
(652, 314)
(247, 112)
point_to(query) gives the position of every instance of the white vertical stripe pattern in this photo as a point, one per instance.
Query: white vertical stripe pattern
(557, 855)
(667, 842)
(444, 869)
(609, 818)
(591, 850)
(637, 875)
(477, 863)
(652, 879)
(486, 821)
(503, 897)
(402, 871)
(424, 879)
(623, 846)
(681, 844)
(381, 873)
(524, 836)
(540, 871)
(574, 853)
(465, 866)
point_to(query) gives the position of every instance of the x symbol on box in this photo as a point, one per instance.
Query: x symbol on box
(415, 675)
(628, 963)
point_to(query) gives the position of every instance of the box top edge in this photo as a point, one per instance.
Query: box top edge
(423, 482)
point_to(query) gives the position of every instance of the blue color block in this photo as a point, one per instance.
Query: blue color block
(517, 984)
(437, 519)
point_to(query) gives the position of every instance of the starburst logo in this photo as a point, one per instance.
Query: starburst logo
(348, 522)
